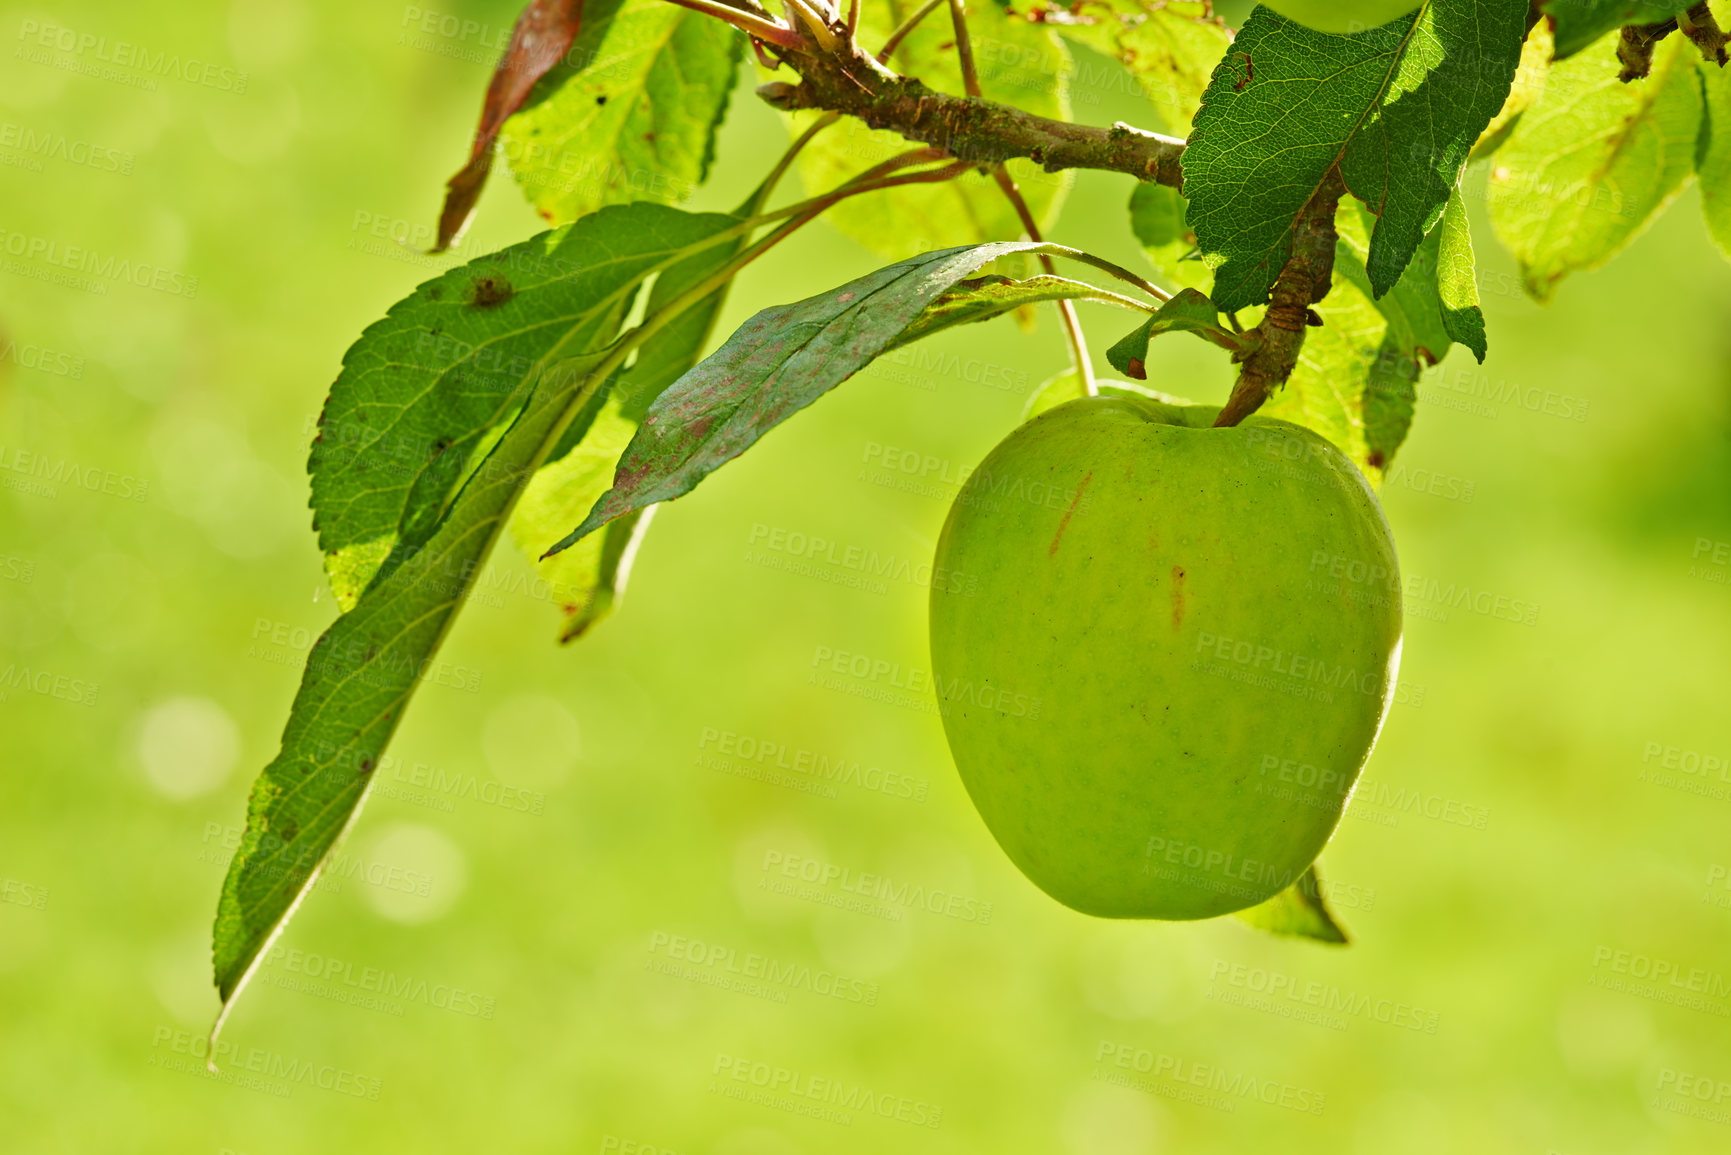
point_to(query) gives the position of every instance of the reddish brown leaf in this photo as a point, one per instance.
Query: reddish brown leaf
(541, 36)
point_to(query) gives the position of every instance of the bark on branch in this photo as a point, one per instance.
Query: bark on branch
(1635, 49)
(970, 129)
(1303, 281)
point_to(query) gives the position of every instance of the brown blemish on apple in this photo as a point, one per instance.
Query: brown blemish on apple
(1177, 596)
(1064, 522)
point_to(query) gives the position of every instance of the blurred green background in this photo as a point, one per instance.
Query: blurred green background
(562, 925)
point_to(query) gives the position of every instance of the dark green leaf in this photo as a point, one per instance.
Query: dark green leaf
(631, 116)
(780, 361)
(1396, 109)
(359, 679)
(1299, 911)
(680, 345)
(552, 333)
(1580, 22)
(427, 391)
(1594, 160)
(1188, 312)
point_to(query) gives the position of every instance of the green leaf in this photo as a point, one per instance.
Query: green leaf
(1581, 22)
(1067, 386)
(777, 363)
(633, 118)
(1714, 164)
(993, 295)
(359, 678)
(1169, 47)
(1590, 165)
(1157, 219)
(1457, 279)
(1019, 63)
(1299, 911)
(1413, 308)
(555, 330)
(1188, 312)
(680, 345)
(587, 580)
(1524, 91)
(1356, 378)
(1396, 109)
(427, 392)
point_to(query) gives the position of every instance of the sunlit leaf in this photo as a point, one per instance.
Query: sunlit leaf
(1168, 47)
(1457, 279)
(1299, 911)
(427, 392)
(1590, 165)
(631, 116)
(1714, 162)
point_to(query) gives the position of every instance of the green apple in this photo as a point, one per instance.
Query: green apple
(1341, 16)
(1172, 655)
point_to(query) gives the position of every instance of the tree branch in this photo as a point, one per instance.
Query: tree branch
(1303, 281)
(980, 132)
(1635, 48)
(1704, 33)
(1066, 309)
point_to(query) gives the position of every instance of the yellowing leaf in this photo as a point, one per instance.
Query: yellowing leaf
(1590, 165)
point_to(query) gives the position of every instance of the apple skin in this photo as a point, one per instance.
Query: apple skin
(1173, 656)
(1341, 16)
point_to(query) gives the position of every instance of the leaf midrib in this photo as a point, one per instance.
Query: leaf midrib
(667, 260)
(493, 526)
(1395, 57)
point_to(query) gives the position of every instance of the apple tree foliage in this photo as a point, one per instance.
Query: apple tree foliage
(1301, 207)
